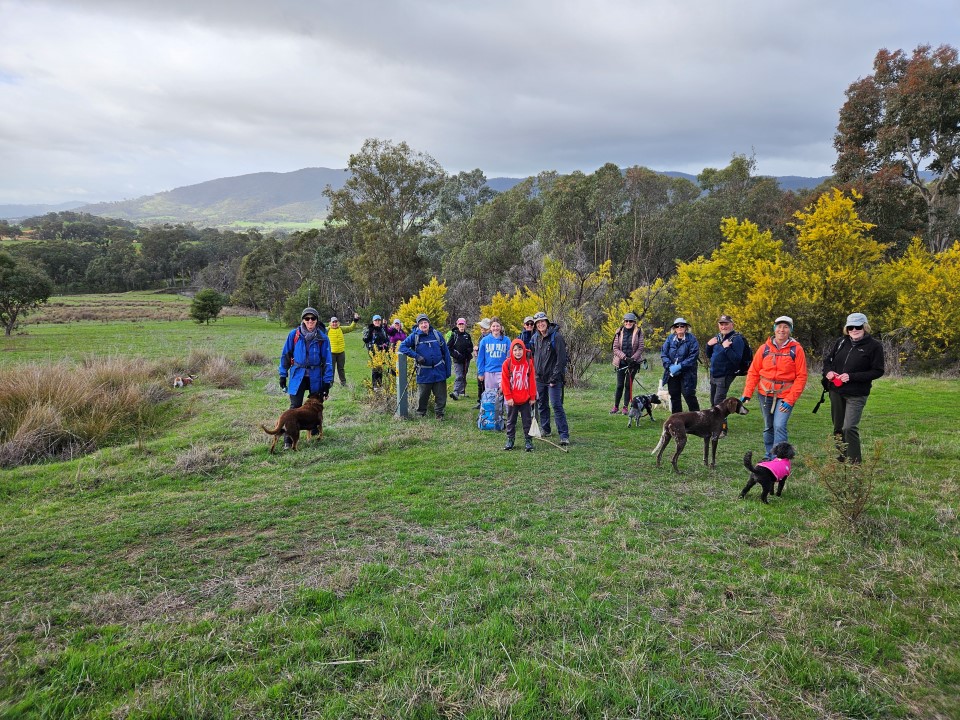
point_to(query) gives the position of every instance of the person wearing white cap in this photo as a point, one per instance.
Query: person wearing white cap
(528, 333)
(396, 333)
(779, 372)
(679, 355)
(461, 350)
(484, 325)
(849, 369)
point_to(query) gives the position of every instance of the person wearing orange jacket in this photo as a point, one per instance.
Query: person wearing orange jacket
(779, 372)
(519, 385)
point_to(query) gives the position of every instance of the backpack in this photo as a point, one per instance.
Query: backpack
(491, 411)
(746, 359)
(417, 336)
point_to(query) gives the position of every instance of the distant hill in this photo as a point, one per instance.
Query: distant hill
(21, 212)
(272, 198)
(265, 197)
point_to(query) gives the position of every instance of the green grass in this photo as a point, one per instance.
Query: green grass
(413, 569)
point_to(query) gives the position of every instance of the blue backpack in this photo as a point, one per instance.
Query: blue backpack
(491, 411)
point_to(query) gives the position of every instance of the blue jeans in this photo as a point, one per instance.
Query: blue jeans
(774, 423)
(548, 395)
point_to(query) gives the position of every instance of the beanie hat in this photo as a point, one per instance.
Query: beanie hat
(421, 317)
(309, 311)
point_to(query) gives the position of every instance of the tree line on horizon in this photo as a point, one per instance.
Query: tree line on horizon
(401, 220)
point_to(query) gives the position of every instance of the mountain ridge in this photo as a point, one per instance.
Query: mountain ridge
(263, 198)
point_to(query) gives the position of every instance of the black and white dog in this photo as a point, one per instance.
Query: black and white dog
(769, 472)
(641, 405)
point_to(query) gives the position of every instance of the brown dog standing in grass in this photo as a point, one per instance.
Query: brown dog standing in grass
(308, 416)
(707, 424)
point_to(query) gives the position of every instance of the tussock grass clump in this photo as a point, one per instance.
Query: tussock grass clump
(212, 369)
(220, 372)
(63, 410)
(255, 357)
(199, 460)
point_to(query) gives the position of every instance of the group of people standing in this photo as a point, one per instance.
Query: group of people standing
(529, 370)
(777, 372)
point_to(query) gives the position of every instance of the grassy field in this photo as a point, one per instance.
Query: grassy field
(412, 569)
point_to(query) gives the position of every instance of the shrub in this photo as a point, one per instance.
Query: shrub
(850, 485)
(431, 300)
(206, 305)
(384, 399)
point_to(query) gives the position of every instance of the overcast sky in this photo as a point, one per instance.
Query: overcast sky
(114, 99)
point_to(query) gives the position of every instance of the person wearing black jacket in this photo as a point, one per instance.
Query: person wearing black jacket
(850, 368)
(461, 350)
(375, 338)
(550, 366)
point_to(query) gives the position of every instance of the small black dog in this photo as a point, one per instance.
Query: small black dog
(769, 471)
(641, 405)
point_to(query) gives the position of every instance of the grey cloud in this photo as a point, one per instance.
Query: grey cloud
(129, 97)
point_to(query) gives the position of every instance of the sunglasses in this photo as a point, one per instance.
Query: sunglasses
(309, 318)
(630, 321)
(854, 327)
(679, 326)
(529, 323)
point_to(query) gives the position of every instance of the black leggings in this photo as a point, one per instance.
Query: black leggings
(624, 386)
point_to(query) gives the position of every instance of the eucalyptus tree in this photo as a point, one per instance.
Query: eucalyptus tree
(905, 118)
(388, 204)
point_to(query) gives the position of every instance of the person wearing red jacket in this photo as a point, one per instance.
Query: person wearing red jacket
(779, 372)
(519, 385)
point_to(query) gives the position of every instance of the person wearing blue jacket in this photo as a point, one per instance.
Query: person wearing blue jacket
(434, 366)
(492, 351)
(725, 351)
(679, 355)
(306, 362)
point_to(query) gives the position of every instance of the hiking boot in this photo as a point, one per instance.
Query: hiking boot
(287, 442)
(564, 442)
(545, 432)
(528, 443)
(454, 396)
(509, 445)
(625, 410)
(614, 410)
(440, 418)
(314, 432)
(723, 430)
